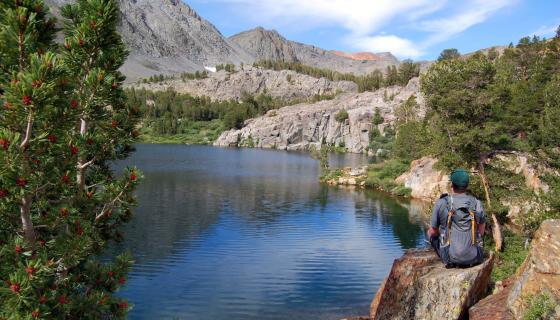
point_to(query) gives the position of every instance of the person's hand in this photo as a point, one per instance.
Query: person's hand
(480, 242)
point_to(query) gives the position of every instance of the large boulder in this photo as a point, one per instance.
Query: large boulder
(420, 287)
(424, 180)
(539, 274)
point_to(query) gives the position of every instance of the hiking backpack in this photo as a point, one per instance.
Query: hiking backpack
(461, 220)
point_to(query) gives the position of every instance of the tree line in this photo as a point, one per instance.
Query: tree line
(169, 112)
(370, 82)
(183, 76)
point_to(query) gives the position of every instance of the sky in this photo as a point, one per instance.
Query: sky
(415, 29)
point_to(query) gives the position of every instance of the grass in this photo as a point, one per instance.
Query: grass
(197, 132)
(382, 176)
(540, 306)
(341, 148)
(508, 261)
(331, 174)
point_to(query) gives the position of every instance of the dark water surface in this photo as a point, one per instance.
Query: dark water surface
(251, 234)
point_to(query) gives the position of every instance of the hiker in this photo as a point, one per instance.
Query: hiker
(458, 224)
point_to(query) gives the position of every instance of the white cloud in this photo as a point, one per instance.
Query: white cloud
(473, 13)
(357, 16)
(545, 31)
(401, 47)
(432, 21)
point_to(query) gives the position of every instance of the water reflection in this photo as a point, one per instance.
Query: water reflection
(250, 234)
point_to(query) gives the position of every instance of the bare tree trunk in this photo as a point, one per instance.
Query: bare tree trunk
(80, 176)
(496, 229)
(27, 223)
(26, 200)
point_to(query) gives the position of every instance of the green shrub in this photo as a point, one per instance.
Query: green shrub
(341, 116)
(382, 176)
(331, 174)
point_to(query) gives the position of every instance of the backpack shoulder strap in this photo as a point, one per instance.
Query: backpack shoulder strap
(450, 213)
(474, 208)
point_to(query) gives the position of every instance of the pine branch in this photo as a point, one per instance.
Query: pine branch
(111, 205)
(85, 165)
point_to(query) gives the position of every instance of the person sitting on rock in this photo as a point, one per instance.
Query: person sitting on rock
(458, 224)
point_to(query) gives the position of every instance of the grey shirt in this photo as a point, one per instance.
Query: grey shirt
(462, 247)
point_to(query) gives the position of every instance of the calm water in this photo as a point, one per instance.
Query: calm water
(251, 234)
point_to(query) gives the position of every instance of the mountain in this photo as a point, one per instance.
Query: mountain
(168, 36)
(265, 44)
(368, 56)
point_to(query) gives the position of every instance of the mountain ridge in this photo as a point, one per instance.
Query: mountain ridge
(170, 37)
(263, 44)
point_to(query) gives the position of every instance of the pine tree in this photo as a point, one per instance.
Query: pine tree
(407, 111)
(64, 119)
(449, 54)
(460, 97)
(407, 70)
(377, 117)
(391, 76)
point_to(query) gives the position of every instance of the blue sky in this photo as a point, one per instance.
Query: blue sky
(417, 29)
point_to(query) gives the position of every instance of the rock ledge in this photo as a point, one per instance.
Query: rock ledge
(420, 287)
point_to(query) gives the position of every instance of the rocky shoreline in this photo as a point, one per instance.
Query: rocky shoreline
(419, 287)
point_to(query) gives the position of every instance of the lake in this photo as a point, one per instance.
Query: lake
(251, 234)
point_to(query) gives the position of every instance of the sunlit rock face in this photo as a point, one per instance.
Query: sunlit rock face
(538, 275)
(420, 287)
(166, 37)
(310, 125)
(284, 84)
(424, 180)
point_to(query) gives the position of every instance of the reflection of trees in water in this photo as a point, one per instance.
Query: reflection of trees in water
(262, 200)
(176, 208)
(393, 213)
(179, 205)
(174, 213)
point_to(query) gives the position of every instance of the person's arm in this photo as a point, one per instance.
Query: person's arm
(434, 226)
(480, 218)
(433, 232)
(481, 229)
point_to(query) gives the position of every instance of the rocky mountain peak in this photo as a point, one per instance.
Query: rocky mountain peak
(367, 56)
(264, 44)
(169, 37)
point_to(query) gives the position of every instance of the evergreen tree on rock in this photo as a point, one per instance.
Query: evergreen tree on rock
(449, 54)
(460, 96)
(64, 117)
